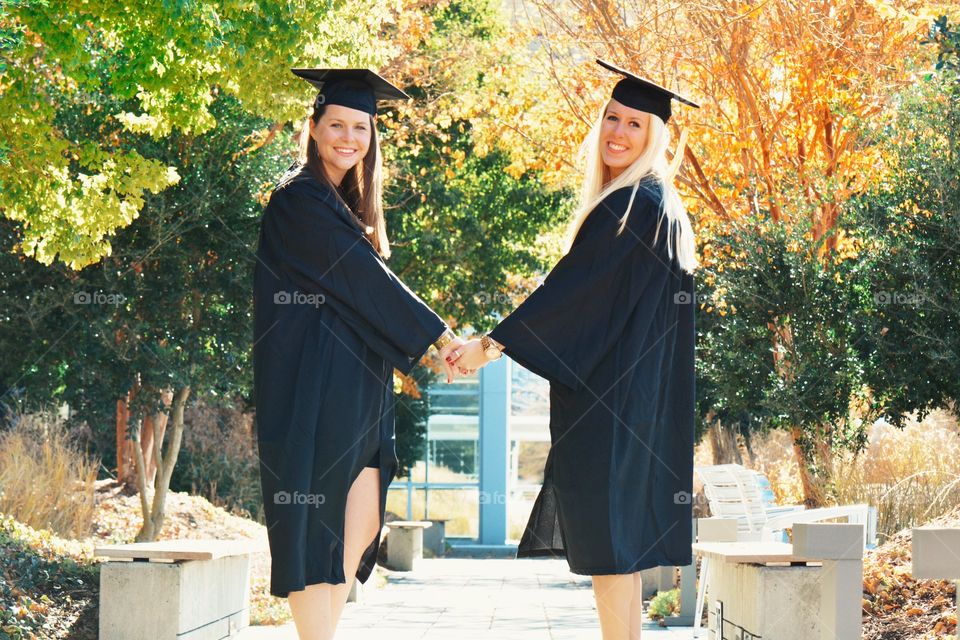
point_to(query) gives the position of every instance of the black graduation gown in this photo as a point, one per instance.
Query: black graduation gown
(612, 329)
(331, 322)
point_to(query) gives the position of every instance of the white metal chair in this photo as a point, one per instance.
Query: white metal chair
(733, 491)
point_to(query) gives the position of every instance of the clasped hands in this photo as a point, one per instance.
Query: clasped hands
(462, 357)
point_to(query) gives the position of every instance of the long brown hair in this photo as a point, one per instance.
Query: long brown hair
(361, 189)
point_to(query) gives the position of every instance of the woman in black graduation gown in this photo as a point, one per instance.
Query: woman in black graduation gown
(612, 329)
(331, 324)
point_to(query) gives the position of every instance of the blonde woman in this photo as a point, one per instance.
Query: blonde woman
(331, 323)
(612, 329)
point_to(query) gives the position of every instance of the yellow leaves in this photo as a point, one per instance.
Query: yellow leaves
(846, 247)
(70, 216)
(515, 170)
(142, 123)
(911, 209)
(407, 385)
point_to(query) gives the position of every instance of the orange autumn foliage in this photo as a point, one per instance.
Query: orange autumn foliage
(795, 96)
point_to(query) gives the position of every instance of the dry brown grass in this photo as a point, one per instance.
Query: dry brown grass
(46, 482)
(910, 475)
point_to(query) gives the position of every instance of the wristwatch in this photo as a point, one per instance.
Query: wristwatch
(444, 340)
(491, 349)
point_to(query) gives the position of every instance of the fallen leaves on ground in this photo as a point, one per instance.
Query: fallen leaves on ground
(897, 607)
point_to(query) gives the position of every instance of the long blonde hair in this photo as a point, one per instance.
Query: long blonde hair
(652, 162)
(362, 185)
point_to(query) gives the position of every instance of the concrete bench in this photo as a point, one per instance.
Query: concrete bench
(176, 589)
(778, 591)
(435, 538)
(405, 543)
(936, 556)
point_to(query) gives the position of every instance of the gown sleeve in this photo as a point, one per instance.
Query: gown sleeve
(577, 315)
(323, 251)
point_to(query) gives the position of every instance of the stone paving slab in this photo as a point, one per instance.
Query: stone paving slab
(472, 599)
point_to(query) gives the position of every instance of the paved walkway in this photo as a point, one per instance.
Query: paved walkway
(467, 599)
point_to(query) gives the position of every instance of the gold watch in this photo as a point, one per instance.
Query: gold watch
(444, 340)
(490, 348)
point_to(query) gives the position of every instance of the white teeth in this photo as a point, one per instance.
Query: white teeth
(616, 147)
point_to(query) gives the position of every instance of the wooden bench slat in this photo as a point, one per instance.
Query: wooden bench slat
(410, 524)
(182, 549)
(750, 552)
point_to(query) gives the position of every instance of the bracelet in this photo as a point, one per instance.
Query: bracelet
(444, 339)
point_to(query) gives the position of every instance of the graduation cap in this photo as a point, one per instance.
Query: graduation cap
(354, 88)
(640, 93)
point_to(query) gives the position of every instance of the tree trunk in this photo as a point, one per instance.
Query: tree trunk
(723, 441)
(146, 532)
(751, 454)
(150, 429)
(125, 474)
(812, 471)
(153, 510)
(811, 474)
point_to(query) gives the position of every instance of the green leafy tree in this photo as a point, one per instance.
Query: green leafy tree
(469, 232)
(150, 70)
(777, 284)
(168, 314)
(912, 326)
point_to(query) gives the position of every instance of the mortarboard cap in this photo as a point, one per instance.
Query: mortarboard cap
(354, 88)
(640, 93)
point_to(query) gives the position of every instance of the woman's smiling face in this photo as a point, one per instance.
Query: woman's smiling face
(623, 136)
(343, 137)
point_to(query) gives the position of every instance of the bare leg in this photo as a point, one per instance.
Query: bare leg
(362, 524)
(636, 607)
(317, 608)
(615, 604)
(311, 612)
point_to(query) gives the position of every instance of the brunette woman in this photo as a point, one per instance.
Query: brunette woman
(332, 322)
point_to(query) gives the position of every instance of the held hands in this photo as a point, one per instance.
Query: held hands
(460, 356)
(447, 359)
(468, 357)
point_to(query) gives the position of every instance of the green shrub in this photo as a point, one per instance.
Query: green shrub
(664, 604)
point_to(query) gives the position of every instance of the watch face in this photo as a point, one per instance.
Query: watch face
(493, 353)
